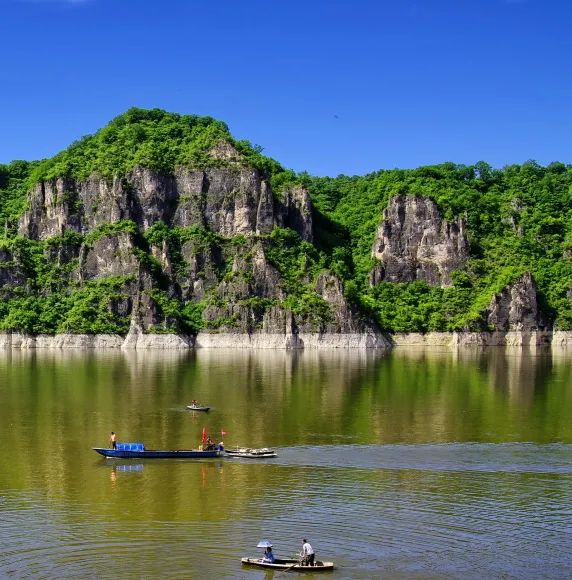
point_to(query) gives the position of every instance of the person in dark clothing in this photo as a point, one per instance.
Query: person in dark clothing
(268, 555)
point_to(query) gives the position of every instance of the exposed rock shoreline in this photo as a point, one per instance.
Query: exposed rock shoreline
(362, 341)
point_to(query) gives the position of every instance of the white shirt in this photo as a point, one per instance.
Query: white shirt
(307, 550)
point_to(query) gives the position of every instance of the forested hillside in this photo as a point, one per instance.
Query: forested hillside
(518, 219)
(205, 232)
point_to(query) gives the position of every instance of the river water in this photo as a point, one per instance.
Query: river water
(411, 464)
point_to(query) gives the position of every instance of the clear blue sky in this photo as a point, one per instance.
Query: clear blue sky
(329, 86)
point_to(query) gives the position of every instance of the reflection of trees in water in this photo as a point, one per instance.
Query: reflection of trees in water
(520, 375)
(58, 404)
(68, 401)
(273, 395)
(491, 394)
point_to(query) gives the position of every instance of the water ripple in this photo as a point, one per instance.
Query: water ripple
(400, 511)
(487, 457)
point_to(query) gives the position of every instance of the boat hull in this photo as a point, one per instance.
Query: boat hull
(157, 454)
(251, 454)
(288, 565)
(203, 409)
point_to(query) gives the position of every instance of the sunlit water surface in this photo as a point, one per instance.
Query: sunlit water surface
(412, 464)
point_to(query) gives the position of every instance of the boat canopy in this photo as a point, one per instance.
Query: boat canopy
(130, 447)
(264, 544)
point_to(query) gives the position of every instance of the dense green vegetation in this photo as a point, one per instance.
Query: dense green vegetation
(299, 263)
(150, 138)
(518, 219)
(14, 184)
(52, 299)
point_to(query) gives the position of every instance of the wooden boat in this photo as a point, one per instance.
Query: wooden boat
(293, 565)
(197, 408)
(250, 453)
(138, 451)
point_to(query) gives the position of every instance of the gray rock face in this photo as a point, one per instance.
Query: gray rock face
(227, 200)
(109, 256)
(295, 212)
(344, 319)
(137, 339)
(413, 242)
(51, 210)
(201, 273)
(114, 255)
(266, 280)
(239, 307)
(62, 253)
(516, 308)
(279, 321)
(225, 151)
(245, 291)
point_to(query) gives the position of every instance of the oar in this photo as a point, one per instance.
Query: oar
(288, 569)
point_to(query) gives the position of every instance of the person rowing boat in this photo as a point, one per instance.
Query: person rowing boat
(308, 554)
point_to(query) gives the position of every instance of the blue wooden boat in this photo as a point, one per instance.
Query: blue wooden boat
(138, 451)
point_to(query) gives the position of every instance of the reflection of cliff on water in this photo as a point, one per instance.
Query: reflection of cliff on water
(497, 393)
(56, 405)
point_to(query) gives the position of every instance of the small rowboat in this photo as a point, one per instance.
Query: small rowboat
(293, 565)
(138, 451)
(250, 453)
(197, 408)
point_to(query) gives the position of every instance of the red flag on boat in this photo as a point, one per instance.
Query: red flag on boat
(204, 434)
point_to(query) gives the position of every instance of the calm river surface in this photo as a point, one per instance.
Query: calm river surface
(412, 464)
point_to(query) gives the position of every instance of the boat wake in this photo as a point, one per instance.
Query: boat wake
(482, 457)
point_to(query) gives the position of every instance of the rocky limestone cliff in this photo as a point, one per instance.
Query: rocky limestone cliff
(227, 200)
(111, 255)
(413, 242)
(342, 318)
(222, 259)
(516, 308)
(220, 245)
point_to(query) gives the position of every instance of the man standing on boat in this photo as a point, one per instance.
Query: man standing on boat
(308, 554)
(113, 440)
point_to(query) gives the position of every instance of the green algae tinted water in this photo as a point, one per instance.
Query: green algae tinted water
(412, 464)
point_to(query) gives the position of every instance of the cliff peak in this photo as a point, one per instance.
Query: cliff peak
(154, 139)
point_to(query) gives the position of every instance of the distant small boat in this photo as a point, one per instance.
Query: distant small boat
(197, 408)
(250, 453)
(138, 451)
(293, 565)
